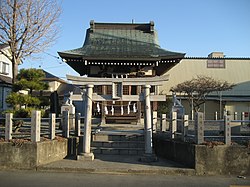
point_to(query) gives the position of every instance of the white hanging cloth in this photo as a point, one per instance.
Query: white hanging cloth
(134, 108)
(106, 110)
(128, 108)
(98, 107)
(121, 110)
(112, 110)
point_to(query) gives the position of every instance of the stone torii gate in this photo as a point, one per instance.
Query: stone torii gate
(117, 95)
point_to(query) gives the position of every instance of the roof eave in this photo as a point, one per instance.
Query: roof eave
(139, 58)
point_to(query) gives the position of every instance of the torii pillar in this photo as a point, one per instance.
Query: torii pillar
(86, 154)
(149, 156)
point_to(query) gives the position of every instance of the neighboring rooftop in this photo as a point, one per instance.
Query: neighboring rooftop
(5, 80)
(50, 77)
(218, 55)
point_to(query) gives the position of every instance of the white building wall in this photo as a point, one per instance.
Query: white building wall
(236, 71)
(5, 89)
(4, 59)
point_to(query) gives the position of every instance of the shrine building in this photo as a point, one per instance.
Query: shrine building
(119, 60)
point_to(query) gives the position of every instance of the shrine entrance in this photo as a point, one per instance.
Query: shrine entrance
(117, 85)
(125, 66)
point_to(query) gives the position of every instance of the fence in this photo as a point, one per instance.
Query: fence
(200, 130)
(36, 127)
(197, 130)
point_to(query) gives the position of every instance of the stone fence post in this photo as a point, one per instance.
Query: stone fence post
(8, 126)
(52, 126)
(242, 118)
(154, 121)
(173, 128)
(78, 124)
(65, 124)
(235, 115)
(163, 122)
(199, 127)
(227, 129)
(216, 116)
(35, 125)
(185, 128)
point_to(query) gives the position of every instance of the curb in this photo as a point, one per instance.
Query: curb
(120, 171)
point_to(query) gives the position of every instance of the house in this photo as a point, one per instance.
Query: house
(216, 65)
(58, 91)
(5, 77)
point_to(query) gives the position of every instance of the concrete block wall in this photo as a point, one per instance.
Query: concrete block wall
(222, 159)
(216, 160)
(29, 155)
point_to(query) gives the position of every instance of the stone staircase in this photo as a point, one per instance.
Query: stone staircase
(118, 143)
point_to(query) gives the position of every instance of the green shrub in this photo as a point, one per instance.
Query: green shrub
(24, 112)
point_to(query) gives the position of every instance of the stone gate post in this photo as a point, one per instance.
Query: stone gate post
(148, 132)
(86, 154)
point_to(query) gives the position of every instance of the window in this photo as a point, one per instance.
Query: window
(126, 90)
(4, 68)
(98, 90)
(216, 63)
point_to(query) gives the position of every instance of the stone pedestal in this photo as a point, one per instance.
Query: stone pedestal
(71, 109)
(149, 158)
(85, 157)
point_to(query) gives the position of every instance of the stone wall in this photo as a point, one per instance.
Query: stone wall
(29, 155)
(180, 152)
(222, 159)
(50, 151)
(216, 160)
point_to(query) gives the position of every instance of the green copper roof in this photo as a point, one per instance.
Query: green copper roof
(116, 41)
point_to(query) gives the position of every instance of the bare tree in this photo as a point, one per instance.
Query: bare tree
(28, 27)
(197, 89)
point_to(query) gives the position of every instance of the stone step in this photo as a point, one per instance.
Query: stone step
(117, 151)
(118, 144)
(118, 137)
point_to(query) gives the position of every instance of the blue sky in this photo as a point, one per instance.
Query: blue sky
(194, 27)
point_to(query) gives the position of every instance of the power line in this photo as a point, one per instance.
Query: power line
(63, 65)
(57, 57)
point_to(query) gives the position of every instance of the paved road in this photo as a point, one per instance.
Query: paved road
(47, 179)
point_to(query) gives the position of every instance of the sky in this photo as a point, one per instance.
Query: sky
(194, 27)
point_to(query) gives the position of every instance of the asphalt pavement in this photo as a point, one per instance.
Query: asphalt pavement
(52, 179)
(118, 164)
